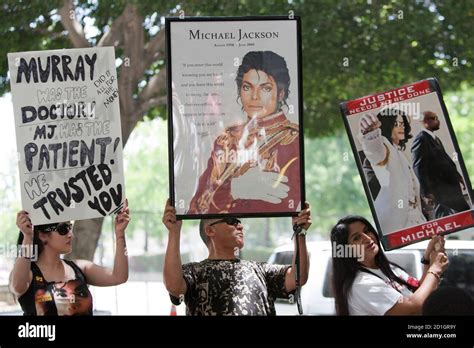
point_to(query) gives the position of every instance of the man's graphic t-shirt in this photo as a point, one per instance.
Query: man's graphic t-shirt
(232, 287)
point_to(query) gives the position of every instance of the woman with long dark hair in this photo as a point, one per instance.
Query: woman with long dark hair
(47, 284)
(384, 138)
(366, 283)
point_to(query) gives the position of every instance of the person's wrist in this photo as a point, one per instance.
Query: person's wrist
(119, 235)
(28, 251)
(119, 232)
(425, 260)
(435, 269)
(173, 232)
(436, 274)
(27, 254)
(27, 239)
(303, 232)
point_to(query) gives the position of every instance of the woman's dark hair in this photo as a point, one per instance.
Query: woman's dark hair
(345, 269)
(269, 62)
(36, 239)
(388, 117)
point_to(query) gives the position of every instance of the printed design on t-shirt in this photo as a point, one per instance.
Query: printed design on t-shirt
(42, 296)
(413, 282)
(67, 298)
(72, 298)
(233, 287)
(404, 276)
(202, 293)
(397, 286)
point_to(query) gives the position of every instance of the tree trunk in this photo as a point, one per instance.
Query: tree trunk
(86, 237)
(126, 32)
(145, 248)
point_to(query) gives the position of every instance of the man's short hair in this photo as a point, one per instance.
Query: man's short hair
(426, 113)
(202, 230)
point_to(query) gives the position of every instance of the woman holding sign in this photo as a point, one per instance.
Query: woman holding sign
(46, 284)
(366, 283)
(255, 166)
(383, 138)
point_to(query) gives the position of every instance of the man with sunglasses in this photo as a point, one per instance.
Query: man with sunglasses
(223, 284)
(441, 184)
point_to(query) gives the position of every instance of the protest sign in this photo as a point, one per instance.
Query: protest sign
(410, 163)
(67, 119)
(235, 113)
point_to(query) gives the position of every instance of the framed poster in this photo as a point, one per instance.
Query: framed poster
(410, 163)
(235, 116)
(68, 132)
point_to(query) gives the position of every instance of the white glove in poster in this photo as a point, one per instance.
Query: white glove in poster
(236, 137)
(410, 163)
(68, 133)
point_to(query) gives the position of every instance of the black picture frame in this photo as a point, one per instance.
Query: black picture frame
(298, 89)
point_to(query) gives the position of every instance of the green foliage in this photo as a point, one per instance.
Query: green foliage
(151, 263)
(460, 105)
(9, 231)
(350, 48)
(9, 204)
(333, 184)
(146, 176)
(26, 26)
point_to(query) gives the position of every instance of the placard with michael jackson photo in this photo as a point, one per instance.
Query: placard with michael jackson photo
(235, 116)
(410, 163)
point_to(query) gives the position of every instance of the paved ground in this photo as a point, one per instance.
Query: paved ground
(135, 298)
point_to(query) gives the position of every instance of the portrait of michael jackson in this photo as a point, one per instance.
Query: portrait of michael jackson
(254, 166)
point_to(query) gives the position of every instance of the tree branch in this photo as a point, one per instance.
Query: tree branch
(155, 85)
(72, 25)
(115, 34)
(132, 68)
(155, 47)
(150, 103)
(150, 95)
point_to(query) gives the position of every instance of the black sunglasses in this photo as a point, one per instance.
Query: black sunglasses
(228, 221)
(62, 228)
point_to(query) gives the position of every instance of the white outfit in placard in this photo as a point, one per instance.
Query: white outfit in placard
(398, 203)
(371, 295)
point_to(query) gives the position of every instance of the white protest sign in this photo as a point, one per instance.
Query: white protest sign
(69, 138)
